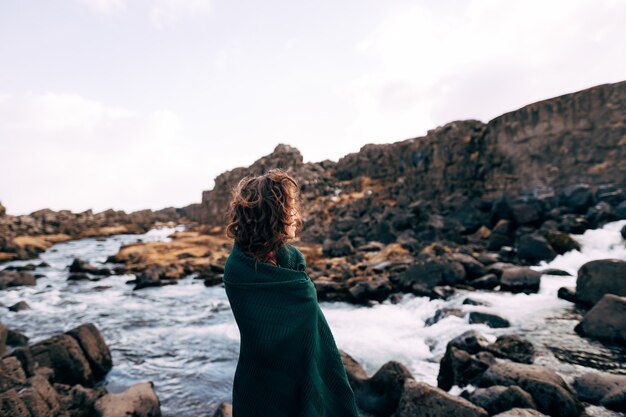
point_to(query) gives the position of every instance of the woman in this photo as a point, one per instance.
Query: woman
(289, 365)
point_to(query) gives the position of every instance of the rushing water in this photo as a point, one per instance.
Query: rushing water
(184, 338)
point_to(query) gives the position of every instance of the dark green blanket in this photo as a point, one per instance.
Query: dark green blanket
(289, 364)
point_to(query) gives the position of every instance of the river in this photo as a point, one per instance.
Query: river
(184, 338)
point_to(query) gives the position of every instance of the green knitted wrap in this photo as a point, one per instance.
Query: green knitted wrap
(289, 364)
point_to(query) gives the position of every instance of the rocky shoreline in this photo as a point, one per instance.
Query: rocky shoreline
(61, 376)
(470, 206)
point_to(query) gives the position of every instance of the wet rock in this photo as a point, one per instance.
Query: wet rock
(458, 367)
(520, 279)
(19, 306)
(603, 389)
(620, 211)
(224, 410)
(498, 398)
(442, 313)
(15, 338)
(16, 279)
(548, 389)
(534, 248)
(606, 320)
(473, 268)
(336, 248)
(554, 271)
(379, 394)
(520, 412)
(567, 293)
(63, 354)
(472, 302)
(373, 288)
(599, 277)
(491, 320)
(561, 242)
(578, 197)
(140, 400)
(80, 276)
(623, 232)
(94, 347)
(513, 347)
(470, 341)
(419, 399)
(78, 265)
(488, 281)
(420, 278)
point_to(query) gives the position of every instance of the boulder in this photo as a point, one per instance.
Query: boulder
(379, 394)
(336, 248)
(94, 347)
(473, 267)
(78, 265)
(16, 279)
(499, 398)
(19, 306)
(520, 279)
(512, 347)
(534, 248)
(421, 399)
(442, 313)
(140, 400)
(64, 356)
(458, 367)
(602, 388)
(578, 197)
(487, 282)
(606, 320)
(491, 320)
(599, 277)
(548, 389)
(561, 242)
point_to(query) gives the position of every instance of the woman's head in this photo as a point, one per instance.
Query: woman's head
(264, 212)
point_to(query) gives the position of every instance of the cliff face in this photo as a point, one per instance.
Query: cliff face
(577, 137)
(542, 147)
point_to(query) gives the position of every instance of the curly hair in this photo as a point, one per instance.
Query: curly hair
(260, 209)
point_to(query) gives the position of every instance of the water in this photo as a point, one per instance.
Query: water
(184, 338)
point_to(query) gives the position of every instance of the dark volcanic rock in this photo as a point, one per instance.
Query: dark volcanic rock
(534, 248)
(606, 320)
(499, 398)
(602, 388)
(420, 399)
(599, 277)
(16, 279)
(491, 320)
(549, 390)
(520, 279)
(379, 394)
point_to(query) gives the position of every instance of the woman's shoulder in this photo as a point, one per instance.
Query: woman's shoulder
(300, 262)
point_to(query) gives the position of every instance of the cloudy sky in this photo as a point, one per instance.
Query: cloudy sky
(132, 104)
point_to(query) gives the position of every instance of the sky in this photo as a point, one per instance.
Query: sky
(135, 104)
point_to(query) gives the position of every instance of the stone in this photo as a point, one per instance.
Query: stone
(606, 320)
(421, 399)
(459, 368)
(94, 347)
(513, 347)
(19, 306)
(548, 389)
(599, 277)
(520, 279)
(491, 320)
(499, 398)
(140, 400)
(534, 248)
(577, 197)
(16, 279)
(64, 356)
